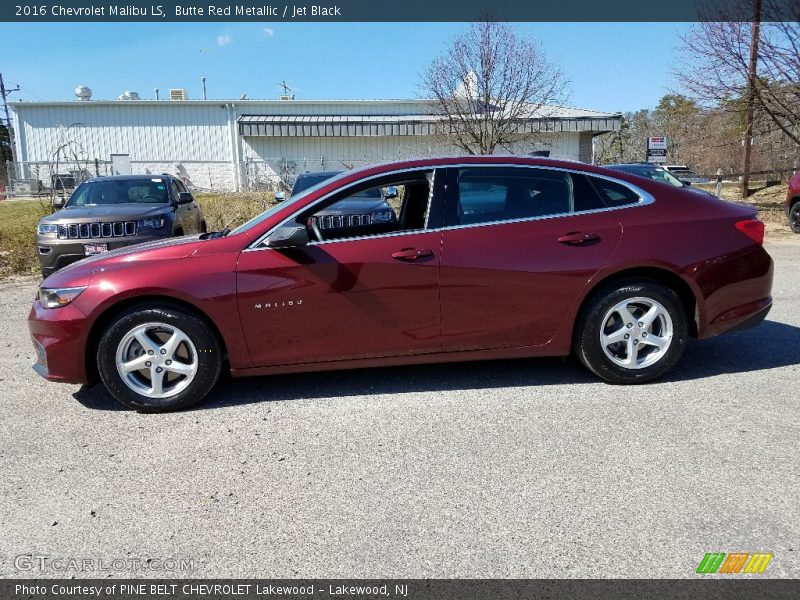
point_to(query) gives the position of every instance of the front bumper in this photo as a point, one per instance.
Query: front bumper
(59, 337)
(55, 254)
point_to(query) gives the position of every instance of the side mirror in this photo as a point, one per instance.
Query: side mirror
(280, 196)
(288, 236)
(185, 198)
(391, 192)
(59, 202)
(685, 182)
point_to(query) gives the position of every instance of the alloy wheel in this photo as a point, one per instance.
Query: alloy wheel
(156, 360)
(636, 333)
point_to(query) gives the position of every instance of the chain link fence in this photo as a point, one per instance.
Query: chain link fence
(45, 179)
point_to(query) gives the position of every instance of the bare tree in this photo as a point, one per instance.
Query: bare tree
(486, 87)
(718, 69)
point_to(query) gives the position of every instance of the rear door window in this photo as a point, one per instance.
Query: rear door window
(488, 194)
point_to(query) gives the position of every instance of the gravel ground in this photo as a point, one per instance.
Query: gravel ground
(527, 468)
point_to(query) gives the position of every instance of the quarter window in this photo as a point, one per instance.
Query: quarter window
(614, 194)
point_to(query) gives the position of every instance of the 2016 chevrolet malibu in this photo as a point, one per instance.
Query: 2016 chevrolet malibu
(491, 257)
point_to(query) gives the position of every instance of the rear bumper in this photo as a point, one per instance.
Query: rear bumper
(59, 337)
(742, 317)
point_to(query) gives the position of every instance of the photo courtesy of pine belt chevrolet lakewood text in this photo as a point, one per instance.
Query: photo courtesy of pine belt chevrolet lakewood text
(483, 257)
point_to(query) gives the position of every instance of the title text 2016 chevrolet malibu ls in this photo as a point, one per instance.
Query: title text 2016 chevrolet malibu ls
(491, 257)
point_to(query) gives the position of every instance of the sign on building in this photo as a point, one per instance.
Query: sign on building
(657, 150)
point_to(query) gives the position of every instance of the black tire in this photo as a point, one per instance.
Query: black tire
(794, 217)
(205, 356)
(178, 232)
(589, 349)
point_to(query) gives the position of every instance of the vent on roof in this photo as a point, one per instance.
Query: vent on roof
(287, 97)
(83, 93)
(178, 94)
(128, 95)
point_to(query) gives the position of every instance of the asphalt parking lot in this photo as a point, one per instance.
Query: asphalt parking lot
(527, 468)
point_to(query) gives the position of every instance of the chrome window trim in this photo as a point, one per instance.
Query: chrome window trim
(645, 199)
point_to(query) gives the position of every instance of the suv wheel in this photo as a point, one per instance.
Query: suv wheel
(794, 217)
(158, 359)
(632, 332)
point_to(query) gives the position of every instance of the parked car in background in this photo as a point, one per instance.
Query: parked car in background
(368, 211)
(557, 258)
(793, 202)
(656, 173)
(685, 174)
(106, 213)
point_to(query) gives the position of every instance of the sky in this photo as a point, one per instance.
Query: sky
(611, 66)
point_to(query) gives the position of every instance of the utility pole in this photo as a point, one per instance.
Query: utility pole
(751, 97)
(4, 93)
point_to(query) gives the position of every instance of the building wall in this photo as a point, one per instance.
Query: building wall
(200, 140)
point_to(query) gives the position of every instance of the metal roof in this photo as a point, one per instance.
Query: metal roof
(401, 125)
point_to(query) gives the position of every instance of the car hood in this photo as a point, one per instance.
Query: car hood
(79, 273)
(106, 213)
(355, 206)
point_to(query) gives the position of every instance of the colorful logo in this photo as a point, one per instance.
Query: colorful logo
(735, 562)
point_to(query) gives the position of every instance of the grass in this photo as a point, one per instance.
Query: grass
(18, 220)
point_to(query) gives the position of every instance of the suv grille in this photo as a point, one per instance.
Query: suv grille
(342, 221)
(96, 230)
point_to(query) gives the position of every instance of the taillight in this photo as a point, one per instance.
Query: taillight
(752, 228)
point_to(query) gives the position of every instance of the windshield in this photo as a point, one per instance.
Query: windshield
(101, 192)
(258, 219)
(303, 182)
(654, 173)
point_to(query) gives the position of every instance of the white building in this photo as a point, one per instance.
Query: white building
(242, 144)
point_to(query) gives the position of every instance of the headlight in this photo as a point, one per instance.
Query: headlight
(58, 297)
(45, 228)
(384, 216)
(152, 222)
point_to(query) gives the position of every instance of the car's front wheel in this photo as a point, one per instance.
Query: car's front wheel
(632, 332)
(158, 358)
(794, 217)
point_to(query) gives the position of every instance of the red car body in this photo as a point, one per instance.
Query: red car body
(793, 199)
(507, 290)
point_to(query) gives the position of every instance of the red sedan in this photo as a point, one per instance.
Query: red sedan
(488, 257)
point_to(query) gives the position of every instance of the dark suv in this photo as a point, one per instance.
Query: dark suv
(368, 212)
(110, 212)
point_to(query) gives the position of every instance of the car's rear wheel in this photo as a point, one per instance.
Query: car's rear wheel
(794, 217)
(158, 359)
(632, 332)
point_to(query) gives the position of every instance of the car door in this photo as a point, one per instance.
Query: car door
(519, 245)
(347, 298)
(184, 213)
(196, 212)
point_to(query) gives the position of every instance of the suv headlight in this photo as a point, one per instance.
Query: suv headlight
(151, 222)
(58, 297)
(47, 228)
(383, 216)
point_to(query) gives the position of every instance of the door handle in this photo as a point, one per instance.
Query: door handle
(578, 238)
(410, 254)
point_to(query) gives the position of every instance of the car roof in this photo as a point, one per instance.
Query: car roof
(146, 177)
(637, 164)
(318, 174)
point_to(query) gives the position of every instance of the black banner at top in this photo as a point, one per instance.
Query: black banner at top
(390, 10)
